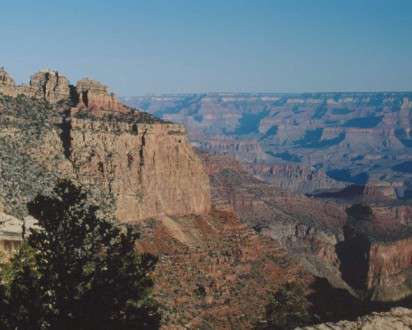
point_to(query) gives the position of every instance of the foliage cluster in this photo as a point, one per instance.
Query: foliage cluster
(77, 270)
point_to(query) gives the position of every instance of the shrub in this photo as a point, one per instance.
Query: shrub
(288, 308)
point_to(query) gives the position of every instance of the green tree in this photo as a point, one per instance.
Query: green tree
(288, 308)
(79, 271)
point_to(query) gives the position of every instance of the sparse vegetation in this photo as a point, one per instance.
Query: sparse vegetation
(24, 122)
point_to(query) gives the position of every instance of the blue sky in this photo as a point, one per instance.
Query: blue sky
(162, 46)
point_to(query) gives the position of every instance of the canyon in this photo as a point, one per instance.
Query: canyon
(320, 234)
(352, 138)
(229, 222)
(143, 172)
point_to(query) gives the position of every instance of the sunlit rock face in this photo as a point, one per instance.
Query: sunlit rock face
(7, 84)
(94, 96)
(45, 84)
(145, 164)
(150, 169)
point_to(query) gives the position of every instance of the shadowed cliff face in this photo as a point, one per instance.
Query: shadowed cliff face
(353, 254)
(370, 264)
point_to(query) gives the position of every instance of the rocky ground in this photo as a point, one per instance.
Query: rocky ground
(395, 319)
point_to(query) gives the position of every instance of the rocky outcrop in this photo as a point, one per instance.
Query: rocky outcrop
(45, 84)
(396, 319)
(150, 169)
(11, 233)
(48, 85)
(144, 165)
(93, 95)
(295, 178)
(247, 150)
(7, 83)
(53, 87)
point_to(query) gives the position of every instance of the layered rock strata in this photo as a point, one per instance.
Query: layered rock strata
(146, 165)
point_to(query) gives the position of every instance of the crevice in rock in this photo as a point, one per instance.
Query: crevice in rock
(74, 96)
(141, 150)
(141, 154)
(85, 98)
(44, 87)
(65, 134)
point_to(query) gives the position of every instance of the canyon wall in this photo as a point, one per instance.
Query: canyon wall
(150, 169)
(84, 133)
(367, 264)
(390, 270)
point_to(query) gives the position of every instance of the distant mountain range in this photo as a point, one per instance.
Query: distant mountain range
(355, 138)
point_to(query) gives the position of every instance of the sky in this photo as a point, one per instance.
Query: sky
(183, 46)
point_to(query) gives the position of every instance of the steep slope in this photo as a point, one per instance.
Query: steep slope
(213, 271)
(372, 260)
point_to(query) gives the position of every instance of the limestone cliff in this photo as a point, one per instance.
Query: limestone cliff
(144, 164)
(150, 169)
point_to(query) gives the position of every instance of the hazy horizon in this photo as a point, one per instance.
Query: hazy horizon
(162, 47)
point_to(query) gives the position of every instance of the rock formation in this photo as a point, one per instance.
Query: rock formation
(146, 165)
(45, 84)
(294, 178)
(150, 169)
(7, 84)
(48, 85)
(396, 319)
(93, 95)
(374, 263)
(389, 270)
(213, 271)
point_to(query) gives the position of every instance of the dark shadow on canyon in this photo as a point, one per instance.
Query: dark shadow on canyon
(329, 304)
